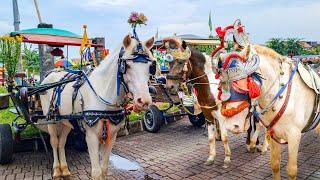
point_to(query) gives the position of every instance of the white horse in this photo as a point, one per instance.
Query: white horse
(276, 70)
(104, 82)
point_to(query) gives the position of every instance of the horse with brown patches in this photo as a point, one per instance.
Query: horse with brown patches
(192, 66)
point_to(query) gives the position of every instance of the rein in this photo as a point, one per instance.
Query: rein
(257, 114)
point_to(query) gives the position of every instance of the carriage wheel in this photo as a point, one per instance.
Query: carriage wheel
(6, 144)
(197, 120)
(152, 119)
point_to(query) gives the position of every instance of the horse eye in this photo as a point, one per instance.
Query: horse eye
(172, 45)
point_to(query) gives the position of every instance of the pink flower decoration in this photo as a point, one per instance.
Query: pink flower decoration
(134, 16)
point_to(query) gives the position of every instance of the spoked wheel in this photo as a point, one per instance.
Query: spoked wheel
(152, 120)
(197, 120)
(6, 144)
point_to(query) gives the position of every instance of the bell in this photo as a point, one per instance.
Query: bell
(281, 96)
(274, 109)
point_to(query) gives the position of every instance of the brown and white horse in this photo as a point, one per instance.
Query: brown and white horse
(104, 83)
(285, 115)
(196, 68)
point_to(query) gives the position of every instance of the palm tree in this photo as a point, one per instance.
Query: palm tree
(278, 45)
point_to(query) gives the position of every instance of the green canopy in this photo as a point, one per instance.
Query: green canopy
(46, 31)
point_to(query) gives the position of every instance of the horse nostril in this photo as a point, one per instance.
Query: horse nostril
(236, 126)
(171, 86)
(139, 100)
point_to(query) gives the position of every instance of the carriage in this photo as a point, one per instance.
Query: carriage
(156, 116)
(26, 97)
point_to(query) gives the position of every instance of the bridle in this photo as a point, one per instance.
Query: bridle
(139, 55)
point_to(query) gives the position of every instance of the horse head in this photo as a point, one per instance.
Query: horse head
(180, 67)
(138, 64)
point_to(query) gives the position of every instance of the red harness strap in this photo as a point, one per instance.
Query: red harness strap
(279, 114)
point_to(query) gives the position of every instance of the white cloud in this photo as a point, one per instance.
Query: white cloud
(238, 2)
(5, 27)
(108, 3)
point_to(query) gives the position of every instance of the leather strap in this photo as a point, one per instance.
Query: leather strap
(283, 108)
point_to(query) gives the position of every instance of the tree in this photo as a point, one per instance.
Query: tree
(278, 45)
(31, 59)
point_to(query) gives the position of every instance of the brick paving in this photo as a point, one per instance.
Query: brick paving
(178, 151)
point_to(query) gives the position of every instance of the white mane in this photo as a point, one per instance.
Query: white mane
(108, 70)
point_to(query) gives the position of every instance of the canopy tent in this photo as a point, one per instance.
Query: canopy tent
(51, 36)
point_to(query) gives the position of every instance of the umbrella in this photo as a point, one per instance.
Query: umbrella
(63, 63)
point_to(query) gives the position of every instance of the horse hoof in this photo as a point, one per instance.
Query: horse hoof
(209, 162)
(251, 149)
(56, 173)
(65, 171)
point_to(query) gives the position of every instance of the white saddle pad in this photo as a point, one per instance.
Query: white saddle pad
(310, 77)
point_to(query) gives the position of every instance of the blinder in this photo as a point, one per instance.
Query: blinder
(139, 55)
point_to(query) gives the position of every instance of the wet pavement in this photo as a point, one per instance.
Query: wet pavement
(178, 151)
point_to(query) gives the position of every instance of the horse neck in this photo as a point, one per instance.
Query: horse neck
(205, 97)
(104, 79)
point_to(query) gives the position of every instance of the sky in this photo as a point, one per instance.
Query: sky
(263, 19)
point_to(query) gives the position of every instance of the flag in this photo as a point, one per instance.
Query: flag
(210, 22)
(85, 41)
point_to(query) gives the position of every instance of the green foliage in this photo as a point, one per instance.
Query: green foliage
(288, 46)
(10, 51)
(31, 60)
(204, 48)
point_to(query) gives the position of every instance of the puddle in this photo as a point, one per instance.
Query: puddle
(123, 163)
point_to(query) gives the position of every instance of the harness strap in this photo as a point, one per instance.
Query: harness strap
(314, 119)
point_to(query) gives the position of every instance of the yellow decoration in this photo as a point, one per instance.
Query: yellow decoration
(85, 41)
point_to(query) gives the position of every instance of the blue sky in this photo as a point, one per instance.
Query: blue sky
(263, 19)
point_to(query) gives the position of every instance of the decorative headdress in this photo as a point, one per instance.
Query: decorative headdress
(135, 19)
(238, 32)
(174, 47)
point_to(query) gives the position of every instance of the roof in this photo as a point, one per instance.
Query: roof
(193, 39)
(47, 31)
(51, 36)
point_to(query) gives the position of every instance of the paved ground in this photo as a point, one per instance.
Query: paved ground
(178, 151)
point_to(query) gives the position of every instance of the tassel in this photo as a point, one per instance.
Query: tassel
(253, 87)
(217, 76)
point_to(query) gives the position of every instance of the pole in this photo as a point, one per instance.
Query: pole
(16, 16)
(38, 11)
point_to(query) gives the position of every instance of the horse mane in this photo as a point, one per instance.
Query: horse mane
(263, 50)
(197, 57)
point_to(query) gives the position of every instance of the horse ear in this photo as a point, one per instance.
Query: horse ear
(127, 41)
(149, 43)
(245, 52)
(184, 45)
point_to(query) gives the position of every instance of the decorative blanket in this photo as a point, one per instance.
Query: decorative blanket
(310, 77)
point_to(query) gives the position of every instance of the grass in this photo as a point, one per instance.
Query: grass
(7, 117)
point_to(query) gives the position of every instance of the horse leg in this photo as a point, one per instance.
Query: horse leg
(227, 152)
(254, 138)
(217, 131)
(93, 148)
(265, 145)
(106, 156)
(275, 158)
(54, 141)
(248, 138)
(212, 145)
(62, 155)
(293, 147)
